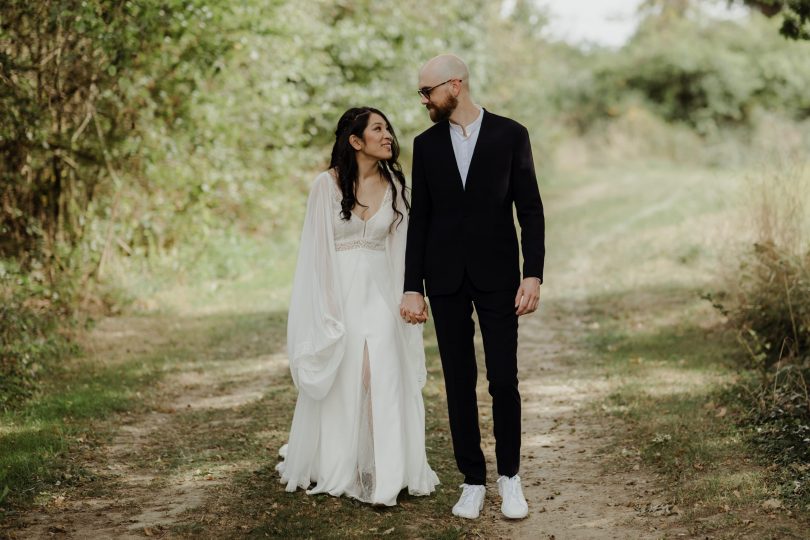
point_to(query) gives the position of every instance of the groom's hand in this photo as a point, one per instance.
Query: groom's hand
(528, 296)
(413, 308)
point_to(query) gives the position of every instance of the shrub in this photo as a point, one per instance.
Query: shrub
(772, 308)
(30, 313)
(769, 307)
(701, 72)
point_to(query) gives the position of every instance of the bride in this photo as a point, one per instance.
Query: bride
(359, 422)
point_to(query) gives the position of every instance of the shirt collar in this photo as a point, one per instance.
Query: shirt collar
(472, 127)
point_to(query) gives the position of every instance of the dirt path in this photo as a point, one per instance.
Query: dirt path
(145, 481)
(173, 464)
(574, 489)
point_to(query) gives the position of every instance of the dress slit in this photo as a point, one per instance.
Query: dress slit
(366, 477)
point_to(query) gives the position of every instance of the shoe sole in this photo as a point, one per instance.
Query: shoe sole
(467, 517)
(476, 516)
(515, 516)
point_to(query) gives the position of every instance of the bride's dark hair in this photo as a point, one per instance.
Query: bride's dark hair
(344, 160)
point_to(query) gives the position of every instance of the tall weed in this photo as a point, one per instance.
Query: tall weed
(769, 307)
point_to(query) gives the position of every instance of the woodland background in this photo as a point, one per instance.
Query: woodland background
(155, 146)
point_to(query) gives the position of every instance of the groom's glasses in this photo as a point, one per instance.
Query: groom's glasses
(426, 90)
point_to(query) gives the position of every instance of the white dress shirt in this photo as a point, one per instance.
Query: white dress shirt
(464, 140)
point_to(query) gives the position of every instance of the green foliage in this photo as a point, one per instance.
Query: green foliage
(29, 311)
(779, 413)
(769, 308)
(707, 74)
(242, 161)
(131, 131)
(772, 315)
(152, 137)
(769, 298)
(81, 80)
(796, 15)
(772, 309)
(796, 24)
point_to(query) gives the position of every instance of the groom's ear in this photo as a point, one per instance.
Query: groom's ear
(355, 141)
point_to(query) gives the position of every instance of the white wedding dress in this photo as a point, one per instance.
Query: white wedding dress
(359, 422)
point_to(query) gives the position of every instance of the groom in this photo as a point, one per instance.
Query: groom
(469, 170)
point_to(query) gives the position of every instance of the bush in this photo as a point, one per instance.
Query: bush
(30, 314)
(769, 308)
(770, 299)
(701, 72)
(777, 417)
(81, 81)
(772, 308)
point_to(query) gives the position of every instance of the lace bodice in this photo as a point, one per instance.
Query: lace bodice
(358, 234)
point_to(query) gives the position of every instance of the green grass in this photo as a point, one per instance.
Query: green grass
(36, 438)
(75, 395)
(639, 247)
(75, 403)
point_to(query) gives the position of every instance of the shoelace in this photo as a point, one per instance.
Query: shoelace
(468, 494)
(512, 487)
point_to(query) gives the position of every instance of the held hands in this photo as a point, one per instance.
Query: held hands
(528, 296)
(413, 308)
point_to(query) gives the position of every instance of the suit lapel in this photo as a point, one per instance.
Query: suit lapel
(445, 149)
(480, 145)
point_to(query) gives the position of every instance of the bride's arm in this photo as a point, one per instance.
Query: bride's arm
(315, 327)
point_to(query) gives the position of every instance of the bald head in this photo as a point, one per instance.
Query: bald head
(442, 68)
(444, 89)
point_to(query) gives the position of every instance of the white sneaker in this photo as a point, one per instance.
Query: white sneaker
(471, 502)
(514, 504)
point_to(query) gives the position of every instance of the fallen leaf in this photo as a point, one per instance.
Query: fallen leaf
(772, 504)
(661, 509)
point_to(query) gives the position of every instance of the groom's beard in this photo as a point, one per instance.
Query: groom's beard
(442, 112)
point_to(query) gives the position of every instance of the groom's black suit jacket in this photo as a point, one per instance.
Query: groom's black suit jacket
(454, 229)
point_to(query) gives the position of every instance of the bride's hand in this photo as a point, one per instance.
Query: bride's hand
(422, 317)
(413, 308)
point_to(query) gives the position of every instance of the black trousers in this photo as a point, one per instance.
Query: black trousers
(452, 317)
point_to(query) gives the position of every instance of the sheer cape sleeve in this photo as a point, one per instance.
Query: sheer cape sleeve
(316, 333)
(315, 328)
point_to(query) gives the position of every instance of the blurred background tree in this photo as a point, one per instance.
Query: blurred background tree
(81, 83)
(796, 22)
